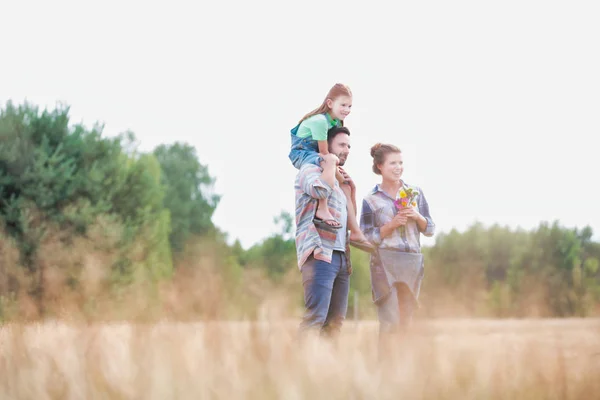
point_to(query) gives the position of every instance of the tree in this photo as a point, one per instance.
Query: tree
(58, 180)
(189, 198)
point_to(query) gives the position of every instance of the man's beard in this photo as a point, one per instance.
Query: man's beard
(342, 159)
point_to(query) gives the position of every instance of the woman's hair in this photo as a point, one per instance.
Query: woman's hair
(336, 91)
(379, 152)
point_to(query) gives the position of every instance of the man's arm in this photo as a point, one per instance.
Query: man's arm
(347, 182)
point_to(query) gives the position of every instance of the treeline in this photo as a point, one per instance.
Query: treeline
(90, 227)
(78, 209)
(549, 271)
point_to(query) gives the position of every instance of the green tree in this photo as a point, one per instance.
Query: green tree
(189, 186)
(62, 179)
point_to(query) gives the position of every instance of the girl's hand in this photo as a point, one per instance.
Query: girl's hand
(330, 159)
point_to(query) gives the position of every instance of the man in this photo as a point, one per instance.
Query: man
(323, 252)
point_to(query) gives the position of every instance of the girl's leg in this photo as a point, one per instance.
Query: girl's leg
(324, 216)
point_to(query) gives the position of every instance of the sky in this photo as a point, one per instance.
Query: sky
(495, 105)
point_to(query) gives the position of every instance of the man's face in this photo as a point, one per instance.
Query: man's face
(340, 146)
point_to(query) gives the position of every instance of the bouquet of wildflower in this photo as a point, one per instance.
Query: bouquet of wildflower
(406, 197)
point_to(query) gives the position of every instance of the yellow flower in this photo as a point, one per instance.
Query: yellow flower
(402, 194)
(414, 203)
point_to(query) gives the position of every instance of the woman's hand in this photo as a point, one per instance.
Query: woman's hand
(410, 213)
(398, 221)
(413, 214)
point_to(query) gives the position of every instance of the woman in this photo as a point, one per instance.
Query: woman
(393, 222)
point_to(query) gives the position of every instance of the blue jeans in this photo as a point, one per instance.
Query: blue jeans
(326, 287)
(304, 150)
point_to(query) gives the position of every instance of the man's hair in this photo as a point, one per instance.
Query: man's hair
(333, 132)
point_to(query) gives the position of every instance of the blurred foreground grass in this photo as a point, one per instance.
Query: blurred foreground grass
(438, 359)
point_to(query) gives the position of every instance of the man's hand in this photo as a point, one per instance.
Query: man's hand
(346, 178)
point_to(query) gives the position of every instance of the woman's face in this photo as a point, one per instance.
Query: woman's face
(392, 167)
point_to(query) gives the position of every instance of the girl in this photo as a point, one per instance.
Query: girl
(309, 144)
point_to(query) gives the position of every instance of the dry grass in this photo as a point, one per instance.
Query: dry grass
(439, 359)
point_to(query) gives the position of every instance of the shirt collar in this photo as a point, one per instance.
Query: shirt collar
(378, 189)
(330, 121)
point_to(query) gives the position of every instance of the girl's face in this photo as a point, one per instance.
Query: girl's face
(340, 107)
(393, 167)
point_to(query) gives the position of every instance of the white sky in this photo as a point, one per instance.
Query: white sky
(496, 105)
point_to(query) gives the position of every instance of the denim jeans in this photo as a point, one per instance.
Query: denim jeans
(326, 287)
(303, 151)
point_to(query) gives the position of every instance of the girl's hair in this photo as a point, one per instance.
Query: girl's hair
(379, 152)
(336, 91)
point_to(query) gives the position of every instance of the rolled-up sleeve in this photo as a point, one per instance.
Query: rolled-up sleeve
(424, 211)
(310, 182)
(367, 224)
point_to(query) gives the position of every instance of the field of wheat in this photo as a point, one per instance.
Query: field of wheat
(437, 359)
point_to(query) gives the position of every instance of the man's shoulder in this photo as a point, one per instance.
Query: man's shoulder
(307, 169)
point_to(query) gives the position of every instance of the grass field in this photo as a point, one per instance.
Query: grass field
(438, 359)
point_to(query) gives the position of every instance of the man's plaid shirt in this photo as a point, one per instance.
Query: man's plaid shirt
(309, 239)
